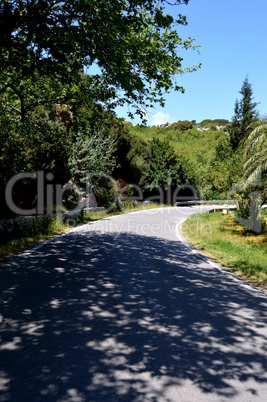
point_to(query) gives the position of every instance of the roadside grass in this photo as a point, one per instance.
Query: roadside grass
(39, 234)
(56, 226)
(230, 244)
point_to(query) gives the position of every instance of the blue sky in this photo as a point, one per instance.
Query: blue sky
(233, 39)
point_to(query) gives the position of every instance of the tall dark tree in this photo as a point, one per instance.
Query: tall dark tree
(162, 172)
(235, 126)
(245, 113)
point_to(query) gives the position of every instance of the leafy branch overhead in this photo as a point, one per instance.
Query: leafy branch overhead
(134, 45)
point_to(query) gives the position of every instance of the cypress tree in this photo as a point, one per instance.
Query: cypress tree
(245, 113)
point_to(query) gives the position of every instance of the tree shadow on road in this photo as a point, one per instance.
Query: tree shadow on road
(125, 317)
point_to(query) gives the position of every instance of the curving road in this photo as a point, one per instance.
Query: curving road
(124, 310)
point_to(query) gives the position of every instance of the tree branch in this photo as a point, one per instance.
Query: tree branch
(44, 102)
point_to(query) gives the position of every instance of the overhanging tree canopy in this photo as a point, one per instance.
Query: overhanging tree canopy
(134, 43)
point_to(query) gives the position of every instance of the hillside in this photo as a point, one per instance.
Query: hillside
(204, 152)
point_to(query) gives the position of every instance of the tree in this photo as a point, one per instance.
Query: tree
(131, 154)
(235, 126)
(92, 153)
(251, 193)
(12, 155)
(162, 169)
(42, 142)
(244, 114)
(133, 43)
(224, 170)
(255, 158)
(181, 125)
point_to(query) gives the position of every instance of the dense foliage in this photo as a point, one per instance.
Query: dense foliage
(205, 155)
(128, 49)
(66, 65)
(150, 157)
(247, 136)
(252, 193)
(162, 171)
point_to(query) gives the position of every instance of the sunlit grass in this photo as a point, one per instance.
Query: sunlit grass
(227, 242)
(39, 234)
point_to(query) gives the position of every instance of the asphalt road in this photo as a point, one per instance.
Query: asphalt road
(123, 310)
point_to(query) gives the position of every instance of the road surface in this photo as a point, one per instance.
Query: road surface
(123, 310)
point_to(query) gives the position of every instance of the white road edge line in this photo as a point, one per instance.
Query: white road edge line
(215, 265)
